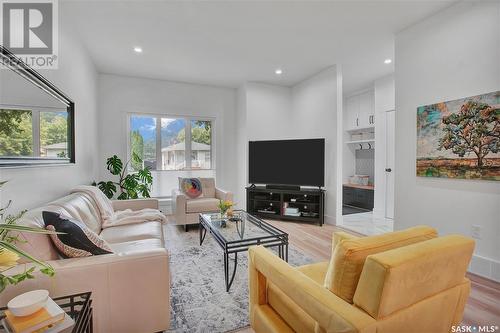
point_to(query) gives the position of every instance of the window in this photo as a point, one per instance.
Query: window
(34, 134)
(171, 143)
(54, 134)
(16, 133)
(201, 143)
(143, 141)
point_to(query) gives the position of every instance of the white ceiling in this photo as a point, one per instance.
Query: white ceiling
(228, 43)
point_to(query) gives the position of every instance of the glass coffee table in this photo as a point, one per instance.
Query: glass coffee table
(237, 234)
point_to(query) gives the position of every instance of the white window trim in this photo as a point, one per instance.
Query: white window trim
(187, 152)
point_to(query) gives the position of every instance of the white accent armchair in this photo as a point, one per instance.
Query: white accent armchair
(186, 211)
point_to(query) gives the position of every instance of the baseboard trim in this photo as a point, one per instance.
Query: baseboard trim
(485, 267)
(331, 220)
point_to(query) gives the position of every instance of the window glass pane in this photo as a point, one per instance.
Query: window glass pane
(201, 143)
(143, 141)
(173, 144)
(16, 135)
(54, 134)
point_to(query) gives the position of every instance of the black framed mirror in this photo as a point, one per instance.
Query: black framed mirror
(37, 120)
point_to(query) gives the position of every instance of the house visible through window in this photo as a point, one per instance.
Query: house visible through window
(171, 143)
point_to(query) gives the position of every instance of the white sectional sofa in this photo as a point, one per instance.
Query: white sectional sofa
(130, 288)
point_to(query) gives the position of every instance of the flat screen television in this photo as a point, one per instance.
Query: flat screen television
(287, 162)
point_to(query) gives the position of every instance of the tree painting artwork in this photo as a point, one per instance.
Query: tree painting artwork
(460, 138)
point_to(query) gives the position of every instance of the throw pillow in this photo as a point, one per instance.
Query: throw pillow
(191, 187)
(75, 240)
(349, 255)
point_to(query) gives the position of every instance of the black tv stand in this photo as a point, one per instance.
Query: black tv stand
(289, 204)
(283, 187)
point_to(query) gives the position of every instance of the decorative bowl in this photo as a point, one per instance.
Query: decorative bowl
(28, 303)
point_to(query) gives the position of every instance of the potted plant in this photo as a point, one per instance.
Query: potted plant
(131, 185)
(10, 252)
(224, 206)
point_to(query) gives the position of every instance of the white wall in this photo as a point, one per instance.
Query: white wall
(307, 110)
(119, 96)
(384, 101)
(32, 186)
(450, 55)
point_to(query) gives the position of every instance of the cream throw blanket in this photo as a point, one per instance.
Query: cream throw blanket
(110, 218)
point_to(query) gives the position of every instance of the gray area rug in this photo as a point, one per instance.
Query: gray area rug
(199, 299)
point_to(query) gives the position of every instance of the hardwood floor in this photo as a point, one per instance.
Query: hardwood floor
(483, 306)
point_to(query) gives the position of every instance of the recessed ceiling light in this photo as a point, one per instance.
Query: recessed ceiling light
(387, 61)
(278, 71)
(138, 49)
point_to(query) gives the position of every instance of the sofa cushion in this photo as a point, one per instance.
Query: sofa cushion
(82, 208)
(132, 232)
(202, 205)
(349, 257)
(75, 240)
(399, 278)
(208, 187)
(142, 245)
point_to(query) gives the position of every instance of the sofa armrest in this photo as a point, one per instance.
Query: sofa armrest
(179, 206)
(135, 204)
(116, 281)
(331, 312)
(223, 195)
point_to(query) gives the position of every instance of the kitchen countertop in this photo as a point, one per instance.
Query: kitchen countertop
(363, 187)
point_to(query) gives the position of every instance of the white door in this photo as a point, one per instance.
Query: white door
(389, 163)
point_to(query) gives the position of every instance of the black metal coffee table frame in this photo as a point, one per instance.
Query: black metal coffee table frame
(276, 238)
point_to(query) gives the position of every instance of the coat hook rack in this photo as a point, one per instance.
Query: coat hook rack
(360, 146)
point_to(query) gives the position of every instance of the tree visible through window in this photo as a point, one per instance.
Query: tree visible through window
(54, 134)
(143, 140)
(201, 143)
(16, 135)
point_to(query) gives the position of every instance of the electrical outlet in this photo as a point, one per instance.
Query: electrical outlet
(476, 231)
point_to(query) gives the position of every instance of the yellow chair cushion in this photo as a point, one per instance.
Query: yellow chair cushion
(315, 271)
(395, 279)
(349, 256)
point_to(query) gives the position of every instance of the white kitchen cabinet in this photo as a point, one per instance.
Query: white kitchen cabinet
(360, 111)
(352, 108)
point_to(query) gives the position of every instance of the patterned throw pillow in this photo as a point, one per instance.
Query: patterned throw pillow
(77, 240)
(191, 187)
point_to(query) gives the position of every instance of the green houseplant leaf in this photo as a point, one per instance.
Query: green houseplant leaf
(114, 165)
(145, 176)
(108, 188)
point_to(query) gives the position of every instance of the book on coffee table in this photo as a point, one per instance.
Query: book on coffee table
(40, 321)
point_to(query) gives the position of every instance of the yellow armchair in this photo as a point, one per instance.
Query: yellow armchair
(415, 288)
